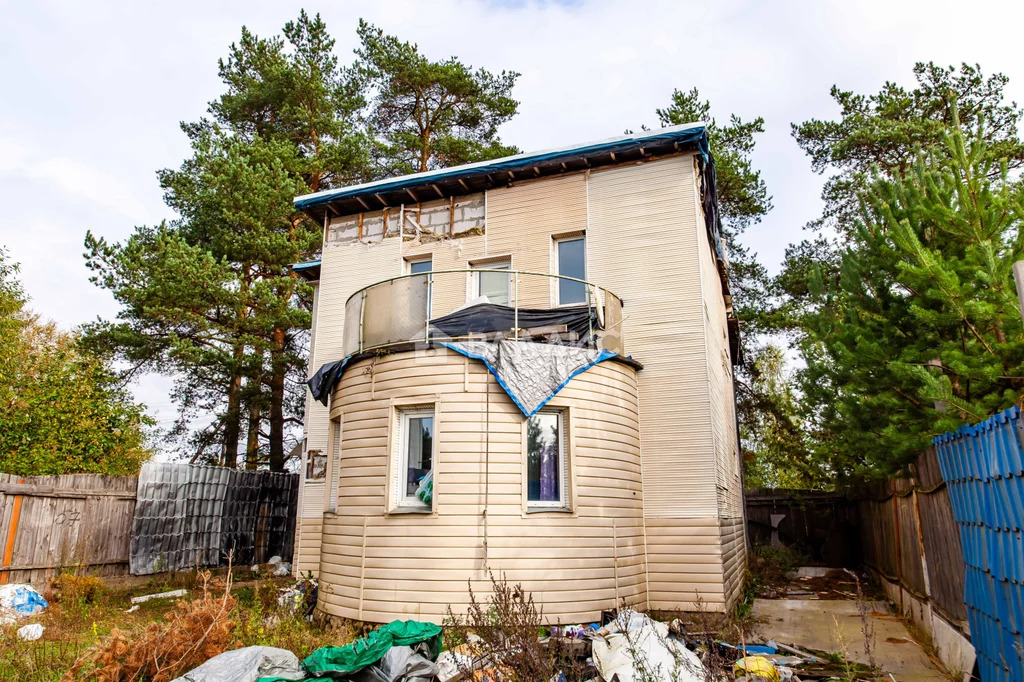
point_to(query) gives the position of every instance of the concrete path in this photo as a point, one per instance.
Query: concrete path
(836, 625)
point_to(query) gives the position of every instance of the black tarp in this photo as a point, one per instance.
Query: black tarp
(484, 318)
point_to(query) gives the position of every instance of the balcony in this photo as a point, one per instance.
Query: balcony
(447, 305)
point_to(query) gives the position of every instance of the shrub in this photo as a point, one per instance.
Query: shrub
(192, 633)
(68, 588)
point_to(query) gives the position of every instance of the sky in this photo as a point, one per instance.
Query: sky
(91, 95)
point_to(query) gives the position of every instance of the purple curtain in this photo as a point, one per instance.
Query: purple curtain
(549, 472)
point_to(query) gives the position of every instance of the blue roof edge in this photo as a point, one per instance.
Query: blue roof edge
(690, 132)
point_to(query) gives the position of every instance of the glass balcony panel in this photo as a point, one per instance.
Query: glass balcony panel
(395, 311)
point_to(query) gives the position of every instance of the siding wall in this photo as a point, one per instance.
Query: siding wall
(378, 567)
(644, 233)
(646, 242)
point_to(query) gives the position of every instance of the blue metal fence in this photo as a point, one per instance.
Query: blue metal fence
(983, 466)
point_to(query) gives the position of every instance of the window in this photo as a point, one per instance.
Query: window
(414, 470)
(547, 463)
(493, 285)
(572, 262)
(421, 267)
(316, 464)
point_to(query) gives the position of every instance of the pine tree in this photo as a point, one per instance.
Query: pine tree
(426, 114)
(919, 330)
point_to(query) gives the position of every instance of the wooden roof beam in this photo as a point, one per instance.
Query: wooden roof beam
(362, 203)
(437, 189)
(414, 197)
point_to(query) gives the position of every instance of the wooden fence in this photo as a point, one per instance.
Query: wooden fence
(53, 522)
(909, 536)
(187, 516)
(818, 524)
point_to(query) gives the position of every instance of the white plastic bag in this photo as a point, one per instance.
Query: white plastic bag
(30, 633)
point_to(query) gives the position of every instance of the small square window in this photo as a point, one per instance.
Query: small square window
(316, 464)
(547, 461)
(414, 459)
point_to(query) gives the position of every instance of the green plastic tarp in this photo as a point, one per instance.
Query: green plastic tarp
(339, 662)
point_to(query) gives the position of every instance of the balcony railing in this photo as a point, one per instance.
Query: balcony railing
(445, 305)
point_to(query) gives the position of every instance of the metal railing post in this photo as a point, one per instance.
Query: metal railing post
(426, 324)
(590, 318)
(362, 314)
(516, 330)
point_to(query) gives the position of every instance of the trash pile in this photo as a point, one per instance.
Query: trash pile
(629, 647)
(275, 566)
(21, 601)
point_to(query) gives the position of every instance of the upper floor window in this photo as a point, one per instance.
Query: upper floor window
(421, 267)
(494, 285)
(572, 262)
(547, 461)
(414, 458)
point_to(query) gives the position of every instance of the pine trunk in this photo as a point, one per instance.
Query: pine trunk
(232, 427)
(276, 416)
(252, 446)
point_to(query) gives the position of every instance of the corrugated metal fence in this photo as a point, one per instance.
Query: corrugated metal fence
(983, 466)
(188, 516)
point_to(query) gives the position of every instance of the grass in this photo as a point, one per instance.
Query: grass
(76, 623)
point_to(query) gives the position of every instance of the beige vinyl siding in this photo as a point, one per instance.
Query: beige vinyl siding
(728, 481)
(642, 242)
(344, 269)
(380, 566)
(309, 535)
(644, 231)
(522, 219)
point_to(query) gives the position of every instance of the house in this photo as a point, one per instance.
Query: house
(524, 366)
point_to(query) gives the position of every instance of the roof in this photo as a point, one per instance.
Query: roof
(476, 177)
(309, 271)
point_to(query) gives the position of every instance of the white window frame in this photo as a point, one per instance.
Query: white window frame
(427, 258)
(558, 283)
(564, 471)
(414, 260)
(400, 457)
(490, 264)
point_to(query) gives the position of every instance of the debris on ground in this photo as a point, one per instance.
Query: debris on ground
(248, 665)
(19, 601)
(300, 598)
(375, 656)
(756, 668)
(633, 646)
(30, 633)
(136, 601)
(159, 595)
(283, 568)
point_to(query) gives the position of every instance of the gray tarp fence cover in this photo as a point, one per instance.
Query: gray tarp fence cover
(188, 516)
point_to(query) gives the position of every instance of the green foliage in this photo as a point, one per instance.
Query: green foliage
(919, 329)
(210, 297)
(430, 114)
(61, 407)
